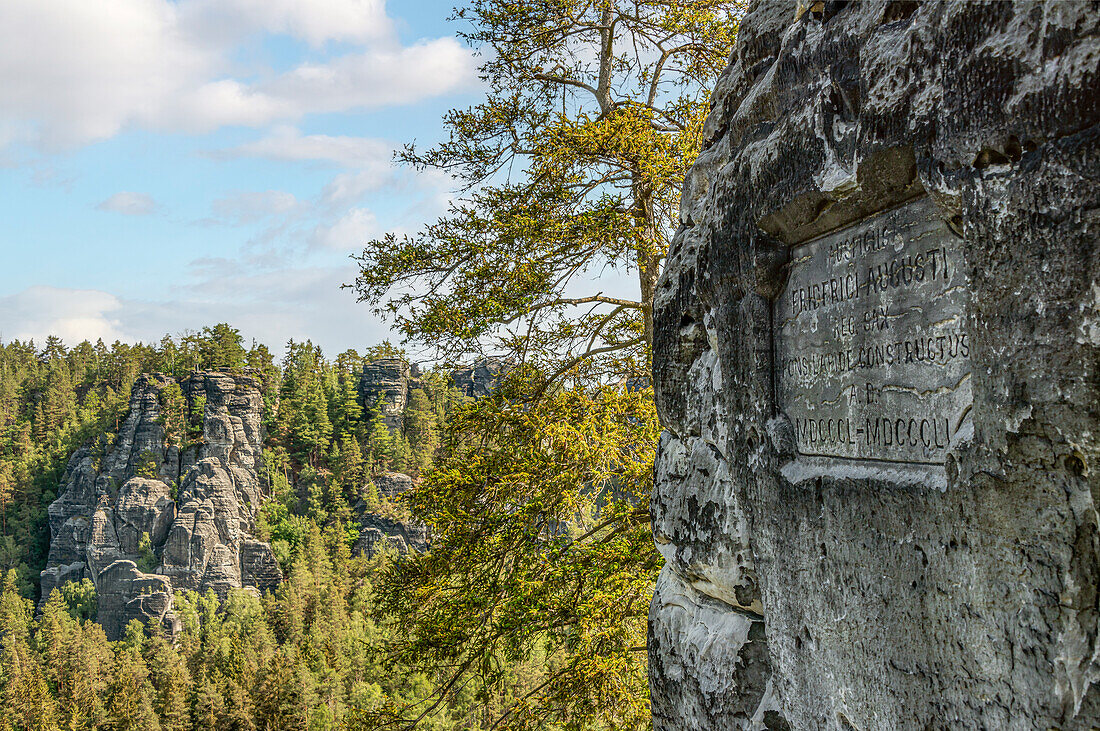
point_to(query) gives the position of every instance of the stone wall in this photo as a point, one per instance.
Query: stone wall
(808, 590)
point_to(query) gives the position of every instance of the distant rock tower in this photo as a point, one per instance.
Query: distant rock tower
(388, 380)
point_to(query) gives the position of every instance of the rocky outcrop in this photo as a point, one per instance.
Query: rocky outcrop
(388, 383)
(376, 530)
(191, 516)
(819, 578)
(391, 484)
(385, 384)
(479, 379)
(397, 536)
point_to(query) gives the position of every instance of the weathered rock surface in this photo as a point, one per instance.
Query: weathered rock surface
(398, 536)
(392, 484)
(385, 384)
(830, 593)
(480, 378)
(201, 539)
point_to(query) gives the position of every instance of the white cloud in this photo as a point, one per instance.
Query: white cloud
(73, 71)
(347, 188)
(79, 71)
(71, 314)
(315, 22)
(377, 78)
(349, 233)
(253, 206)
(288, 144)
(130, 204)
(271, 306)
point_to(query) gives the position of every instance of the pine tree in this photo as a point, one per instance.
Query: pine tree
(170, 679)
(130, 695)
(382, 446)
(207, 703)
(348, 421)
(24, 689)
(173, 414)
(279, 698)
(574, 162)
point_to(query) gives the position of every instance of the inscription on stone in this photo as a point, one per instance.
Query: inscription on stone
(871, 356)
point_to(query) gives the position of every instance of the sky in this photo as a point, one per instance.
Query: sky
(170, 164)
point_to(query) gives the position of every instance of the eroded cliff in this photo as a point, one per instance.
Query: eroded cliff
(818, 576)
(182, 505)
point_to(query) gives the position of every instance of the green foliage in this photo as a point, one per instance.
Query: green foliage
(55, 400)
(218, 347)
(51, 403)
(308, 656)
(573, 164)
(80, 599)
(385, 350)
(300, 658)
(197, 417)
(173, 415)
(147, 559)
(519, 567)
(146, 465)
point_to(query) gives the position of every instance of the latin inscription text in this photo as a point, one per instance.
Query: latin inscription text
(871, 356)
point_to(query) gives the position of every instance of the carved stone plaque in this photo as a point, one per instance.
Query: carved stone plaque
(872, 361)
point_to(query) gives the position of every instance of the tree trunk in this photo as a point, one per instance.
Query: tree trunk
(607, 51)
(649, 256)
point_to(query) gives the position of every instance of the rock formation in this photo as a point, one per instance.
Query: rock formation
(194, 508)
(480, 378)
(375, 530)
(385, 384)
(388, 383)
(391, 484)
(398, 536)
(836, 557)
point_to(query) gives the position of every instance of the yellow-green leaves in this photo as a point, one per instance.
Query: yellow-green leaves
(571, 167)
(541, 543)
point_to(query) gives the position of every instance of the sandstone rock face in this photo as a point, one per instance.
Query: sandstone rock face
(200, 539)
(386, 382)
(814, 578)
(392, 484)
(400, 537)
(479, 379)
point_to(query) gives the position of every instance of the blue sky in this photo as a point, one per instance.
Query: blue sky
(170, 164)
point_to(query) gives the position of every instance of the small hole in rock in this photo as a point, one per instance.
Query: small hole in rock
(1075, 465)
(899, 10)
(989, 156)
